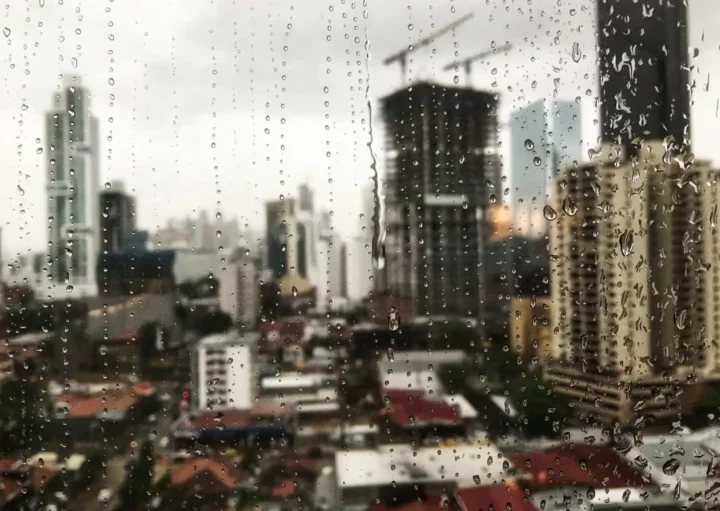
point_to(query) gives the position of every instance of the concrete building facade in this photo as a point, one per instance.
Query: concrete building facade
(239, 292)
(442, 153)
(223, 371)
(635, 288)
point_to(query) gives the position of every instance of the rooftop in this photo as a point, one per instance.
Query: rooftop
(231, 338)
(297, 381)
(590, 465)
(224, 471)
(261, 414)
(410, 408)
(499, 497)
(405, 464)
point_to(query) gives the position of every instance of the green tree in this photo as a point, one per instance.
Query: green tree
(213, 323)
(139, 481)
(454, 376)
(541, 410)
(91, 468)
(23, 407)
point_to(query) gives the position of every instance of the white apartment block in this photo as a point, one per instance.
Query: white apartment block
(223, 371)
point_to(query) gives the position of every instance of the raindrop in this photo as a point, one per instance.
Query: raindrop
(390, 355)
(627, 243)
(294, 291)
(576, 52)
(107, 185)
(680, 317)
(74, 62)
(671, 466)
(549, 213)
(537, 161)
(529, 144)
(69, 288)
(393, 319)
(569, 206)
(6, 32)
(476, 479)
(42, 3)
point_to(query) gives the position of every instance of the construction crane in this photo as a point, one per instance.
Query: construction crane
(467, 63)
(401, 56)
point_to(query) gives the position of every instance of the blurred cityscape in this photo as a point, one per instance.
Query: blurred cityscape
(467, 348)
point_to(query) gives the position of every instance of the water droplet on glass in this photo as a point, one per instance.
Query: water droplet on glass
(537, 161)
(393, 319)
(476, 479)
(107, 185)
(671, 466)
(69, 288)
(627, 243)
(390, 355)
(549, 213)
(6, 32)
(529, 144)
(20, 190)
(680, 317)
(569, 206)
(576, 52)
(294, 291)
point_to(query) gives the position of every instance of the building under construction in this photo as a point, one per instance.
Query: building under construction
(442, 173)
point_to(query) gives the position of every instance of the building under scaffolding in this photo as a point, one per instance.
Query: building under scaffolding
(442, 174)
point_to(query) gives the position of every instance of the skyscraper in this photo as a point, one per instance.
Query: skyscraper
(117, 218)
(544, 137)
(292, 241)
(634, 286)
(72, 152)
(359, 253)
(442, 171)
(644, 73)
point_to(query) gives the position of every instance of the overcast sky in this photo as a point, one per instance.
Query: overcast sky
(224, 104)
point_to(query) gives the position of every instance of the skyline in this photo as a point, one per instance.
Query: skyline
(169, 72)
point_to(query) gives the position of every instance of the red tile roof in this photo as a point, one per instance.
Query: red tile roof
(578, 464)
(500, 497)
(285, 488)
(409, 408)
(224, 470)
(432, 503)
(143, 389)
(231, 419)
(84, 405)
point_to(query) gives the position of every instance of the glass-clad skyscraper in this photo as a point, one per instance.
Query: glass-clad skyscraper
(72, 158)
(544, 137)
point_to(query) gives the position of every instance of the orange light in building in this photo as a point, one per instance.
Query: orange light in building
(500, 223)
(185, 394)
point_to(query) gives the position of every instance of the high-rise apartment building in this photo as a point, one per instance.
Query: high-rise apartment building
(544, 137)
(635, 288)
(442, 170)
(223, 371)
(117, 218)
(73, 155)
(239, 293)
(644, 72)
